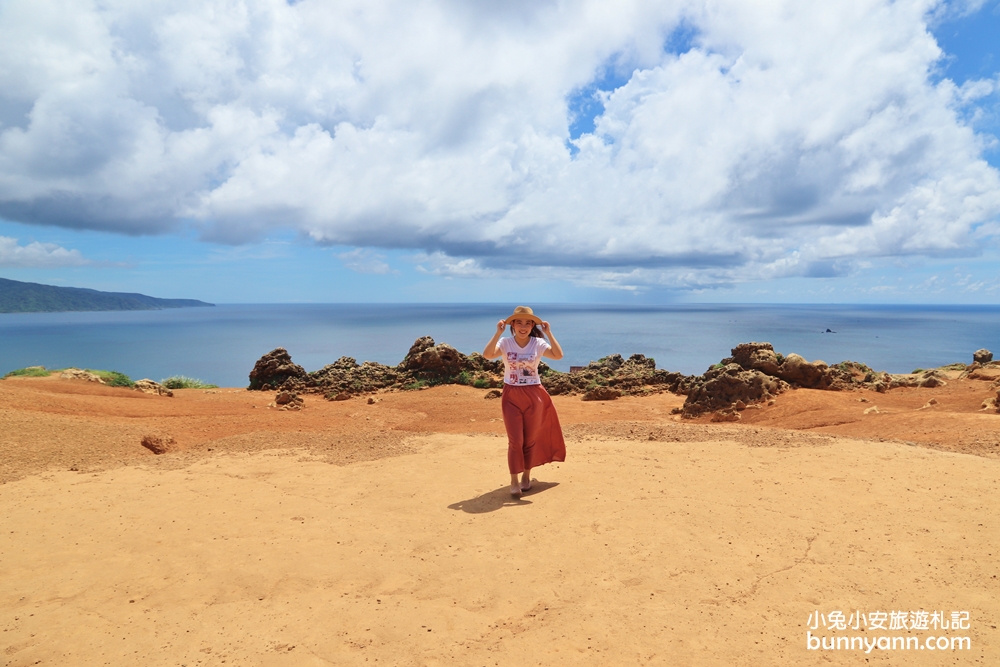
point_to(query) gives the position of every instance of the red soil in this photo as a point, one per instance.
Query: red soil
(54, 423)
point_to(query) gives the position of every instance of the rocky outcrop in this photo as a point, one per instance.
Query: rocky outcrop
(78, 374)
(427, 358)
(755, 356)
(794, 369)
(813, 375)
(731, 387)
(426, 364)
(982, 356)
(275, 370)
(633, 376)
(148, 386)
(989, 371)
(346, 376)
(753, 374)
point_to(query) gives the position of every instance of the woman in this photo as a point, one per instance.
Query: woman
(534, 436)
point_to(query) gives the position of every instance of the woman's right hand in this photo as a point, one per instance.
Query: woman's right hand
(500, 326)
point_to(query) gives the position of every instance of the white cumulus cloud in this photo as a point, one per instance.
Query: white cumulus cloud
(37, 255)
(777, 138)
(364, 260)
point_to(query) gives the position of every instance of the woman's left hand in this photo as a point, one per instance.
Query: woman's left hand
(545, 328)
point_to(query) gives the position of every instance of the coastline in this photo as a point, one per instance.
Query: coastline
(219, 345)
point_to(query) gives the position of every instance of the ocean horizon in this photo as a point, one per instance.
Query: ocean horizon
(221, 344)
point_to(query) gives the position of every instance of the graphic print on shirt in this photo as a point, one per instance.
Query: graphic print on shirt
(521, 368)
(521, 364)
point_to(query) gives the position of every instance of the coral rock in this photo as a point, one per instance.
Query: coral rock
(288, 400)
(755, 356)
(602, 394)
(158, 444)
(435, 360)
(275, 370)
(726, 416)
(78, 374)
(796, 370)
(723, 388)
(148, 386)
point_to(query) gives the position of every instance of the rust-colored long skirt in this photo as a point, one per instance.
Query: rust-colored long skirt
(534, 436)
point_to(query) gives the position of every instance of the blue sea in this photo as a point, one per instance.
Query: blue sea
(221, 344)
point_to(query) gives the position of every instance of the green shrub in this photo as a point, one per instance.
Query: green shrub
(917, 370)
(30, 372)
(184, 382)
(415, 385)
(482, 383)
(717, 366)
(463, 378)
(113, 378)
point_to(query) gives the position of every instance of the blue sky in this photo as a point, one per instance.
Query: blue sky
(660, 152)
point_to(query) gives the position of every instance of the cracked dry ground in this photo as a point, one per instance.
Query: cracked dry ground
(658, 542)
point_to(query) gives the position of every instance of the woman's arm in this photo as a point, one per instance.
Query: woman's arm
(491, 351)
(554, 352)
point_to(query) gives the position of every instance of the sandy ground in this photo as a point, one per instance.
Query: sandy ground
(351, 534)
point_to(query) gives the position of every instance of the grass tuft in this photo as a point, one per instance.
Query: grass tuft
(113, 378)
(30, 372)
(184, 382)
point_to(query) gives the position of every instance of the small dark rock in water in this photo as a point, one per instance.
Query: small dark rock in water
(829, 331)
(982, 356)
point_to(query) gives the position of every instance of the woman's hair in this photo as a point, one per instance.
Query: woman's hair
(535, 331)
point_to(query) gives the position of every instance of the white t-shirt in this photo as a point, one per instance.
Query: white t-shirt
(520, 364)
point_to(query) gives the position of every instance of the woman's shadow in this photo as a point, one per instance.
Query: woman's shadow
(497, 498)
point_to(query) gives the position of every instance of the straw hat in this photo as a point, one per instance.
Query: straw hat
(523, 313)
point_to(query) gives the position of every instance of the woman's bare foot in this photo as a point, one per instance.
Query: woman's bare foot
(515, 490)
(526, 481)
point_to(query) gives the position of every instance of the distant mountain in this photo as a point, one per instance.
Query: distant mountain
(18, 297)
